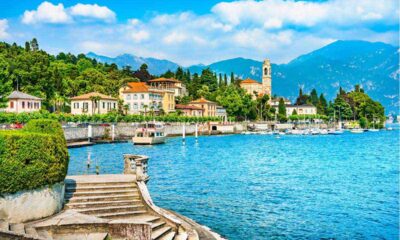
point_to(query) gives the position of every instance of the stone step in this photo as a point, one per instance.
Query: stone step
(17, 228)
(70, 184)
(4, 225)
(101, 193)
(103, 198)
(94, 188)
(160, 232)
(31, 232)
(158, 224)
(44, 234)
(120, 215)
(146, 218)
(80, 205)
(113, 209)
(168, 236)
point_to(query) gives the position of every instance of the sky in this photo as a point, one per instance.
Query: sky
(192, 32)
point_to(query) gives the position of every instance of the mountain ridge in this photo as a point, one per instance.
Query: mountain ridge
(341, 63)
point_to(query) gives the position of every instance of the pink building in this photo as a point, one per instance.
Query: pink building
(19, 102)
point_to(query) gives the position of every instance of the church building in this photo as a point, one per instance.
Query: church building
(255, 88)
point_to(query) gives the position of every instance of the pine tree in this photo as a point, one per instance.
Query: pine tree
(314, 97)
(34, 45)
(225, 80)
(27, 47)
(322, 107)
(232, 78)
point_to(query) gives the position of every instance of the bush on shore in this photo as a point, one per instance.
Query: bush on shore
(33, 157)
(97, 118)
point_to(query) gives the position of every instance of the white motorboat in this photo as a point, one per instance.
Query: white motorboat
(357, 130)
(149, 134)
(373, 130)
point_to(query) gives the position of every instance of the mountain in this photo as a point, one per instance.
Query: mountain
(155, 66)
(375, 66)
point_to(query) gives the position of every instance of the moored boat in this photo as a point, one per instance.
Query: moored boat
(357, 130)
(149, 134)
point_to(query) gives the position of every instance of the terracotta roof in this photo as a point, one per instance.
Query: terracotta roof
(201, 100)
(21, 95)
(165, 80)
(182, 106)
(249, 81)
(87, 96)
(136, 87)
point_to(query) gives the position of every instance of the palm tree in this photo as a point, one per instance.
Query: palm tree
(126, 108)
(145, 109)
(95, 103)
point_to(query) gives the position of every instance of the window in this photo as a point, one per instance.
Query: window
(23, 104)
(128, 97)
(135, 106)
(134, 96)
(85, 106)
(141, 96)
(265, 71)
(12, 104)
(114, 105)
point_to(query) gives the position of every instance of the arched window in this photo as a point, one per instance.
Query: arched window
(266, 71)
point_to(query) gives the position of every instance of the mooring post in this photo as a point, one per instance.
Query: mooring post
(113, 132)
(196, 132)
(183, 133)
(90, 133)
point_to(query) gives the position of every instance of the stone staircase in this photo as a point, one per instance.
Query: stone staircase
(116, 199)
(20, 231)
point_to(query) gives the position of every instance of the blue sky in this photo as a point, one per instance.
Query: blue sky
(192, 32)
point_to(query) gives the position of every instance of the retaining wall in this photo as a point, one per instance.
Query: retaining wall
(33, 204)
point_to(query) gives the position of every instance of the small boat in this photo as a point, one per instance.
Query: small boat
(373, 130)
(389, 129)
(323, 132)
(357, 130)
(149, 134)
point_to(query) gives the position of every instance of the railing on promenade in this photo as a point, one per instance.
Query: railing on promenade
(137, 165)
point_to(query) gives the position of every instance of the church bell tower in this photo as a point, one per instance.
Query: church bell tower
(266, 77)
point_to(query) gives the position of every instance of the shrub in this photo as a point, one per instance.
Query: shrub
(33, 157)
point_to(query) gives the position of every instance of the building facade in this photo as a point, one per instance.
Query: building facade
(221, 112)
(252, 87)
(306, 109)
(255, 88)
(209, 107)
(274, 102)
(93, 103)
(190, 111)
(170, 84)
(141, 99)
(19, 102)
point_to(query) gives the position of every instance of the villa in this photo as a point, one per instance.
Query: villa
(93, 103)
(141, 98)
(209, 107)
(275, 101)
(306, 109)
(169, 84)
(252, 87)
(190, 111)
(221, 112)
(19, 102)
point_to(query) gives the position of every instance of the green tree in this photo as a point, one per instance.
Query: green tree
(282, 110)
(314, 97)
(5, 82)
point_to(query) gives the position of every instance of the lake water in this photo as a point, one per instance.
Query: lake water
(260, 187)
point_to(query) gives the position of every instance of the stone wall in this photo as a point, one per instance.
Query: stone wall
(33, 204)
(127, 130)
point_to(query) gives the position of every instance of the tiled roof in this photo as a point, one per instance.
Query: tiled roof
(87, 96)
(301, 106)
(249, 81)
(202, 100)
(136, 87)
(165, 80)
(21, 95)
(182, 106)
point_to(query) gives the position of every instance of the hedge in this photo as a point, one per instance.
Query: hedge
(33, 157)
(97, 118)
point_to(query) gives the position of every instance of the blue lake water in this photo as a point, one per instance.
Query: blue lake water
(260, 187)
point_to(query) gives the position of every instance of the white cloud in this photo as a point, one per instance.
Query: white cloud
(3, 29)
(277, 13)
(140, 36)
(93, 11)
(57, 14)
(47, 13)
(133, 21)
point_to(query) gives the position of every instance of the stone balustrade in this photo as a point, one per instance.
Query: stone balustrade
(137, 165)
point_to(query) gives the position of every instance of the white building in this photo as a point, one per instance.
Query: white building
(221, 112)
(19, 102)
(140, 98)
(306, 109)
(93, 103)
(275, 102)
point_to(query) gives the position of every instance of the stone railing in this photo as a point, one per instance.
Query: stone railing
(136, 165)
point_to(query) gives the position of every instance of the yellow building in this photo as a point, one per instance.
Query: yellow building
(140, 98)
(252, 87)
(265, 87)
(169, 84)
(209, 107)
